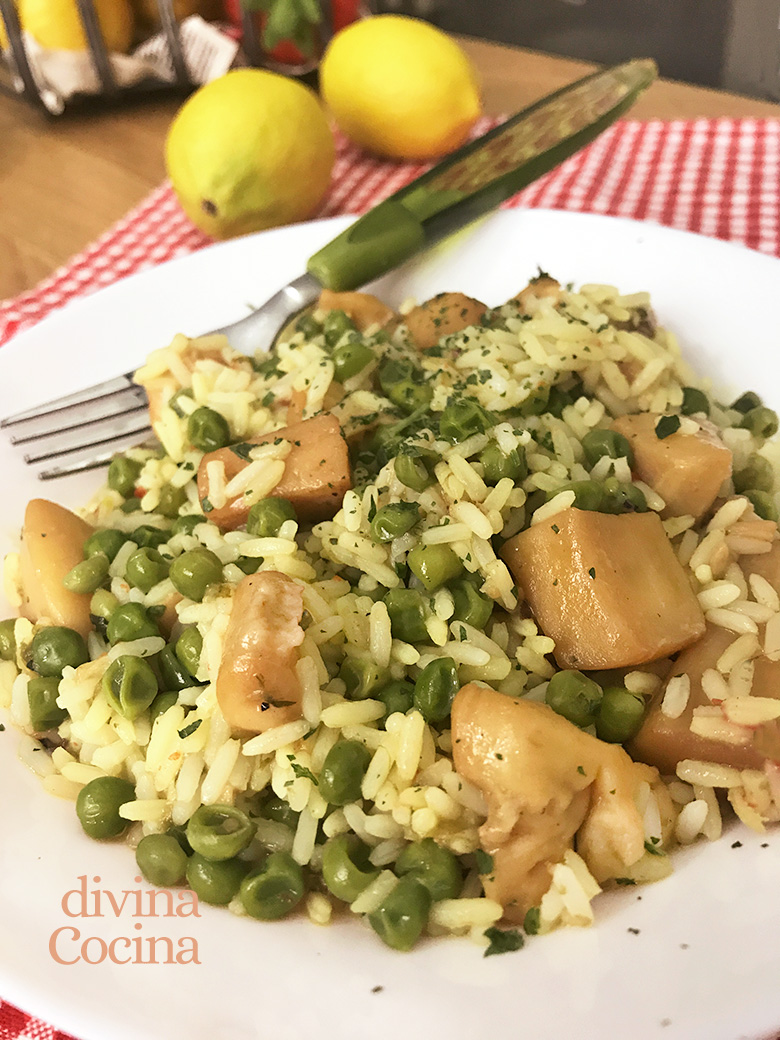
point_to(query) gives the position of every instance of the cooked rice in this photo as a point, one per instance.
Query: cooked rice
(588, 346)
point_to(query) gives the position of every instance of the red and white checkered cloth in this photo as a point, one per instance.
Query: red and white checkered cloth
(720, 177)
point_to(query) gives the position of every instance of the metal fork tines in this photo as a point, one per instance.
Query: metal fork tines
(93, 420)
(87, 428)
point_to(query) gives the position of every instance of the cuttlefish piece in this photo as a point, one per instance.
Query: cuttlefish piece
(546, 783)
(257, 684)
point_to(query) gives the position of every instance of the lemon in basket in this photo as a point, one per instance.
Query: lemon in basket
(248, 151)
(56, 24)
(400, 87)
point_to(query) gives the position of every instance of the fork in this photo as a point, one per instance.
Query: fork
(93, 424)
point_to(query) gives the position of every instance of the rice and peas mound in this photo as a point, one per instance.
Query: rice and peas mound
(369, 626)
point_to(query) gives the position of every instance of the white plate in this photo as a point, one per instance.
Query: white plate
(694, 957)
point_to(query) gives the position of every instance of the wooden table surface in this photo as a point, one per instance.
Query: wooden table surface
(64, 181)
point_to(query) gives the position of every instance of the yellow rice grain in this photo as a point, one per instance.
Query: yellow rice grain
(351, 713)
(375, 893)
(410, 745)
(61, 788)
(708, 774)
(460, 914)
(272, 739)
(151, 810)
(305, 835)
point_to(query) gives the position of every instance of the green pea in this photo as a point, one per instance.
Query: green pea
(171, 500)
(497, 464)
(308, 325)
(362, 676)
(187, 524)
(413, 471)
(434, 565)
(598, 444)
(471, 605)
(394, 520)
(98, 804)
(397, 697)
(107, 542)
(101, 607)
(173, 676)
(433, 866)
(148, 537)
(215, 883)
(407, 611)
(270, 892)
(161, 703)
(463, 418)
(404, 384)
(764, 504)
(694, 401)
(42, 699)
(756, 475)
(336, 325)
(219, 832)
(401, 917)
(622, 498)
(7, 640)
(145, 568)
(762, 422)
(208, 430)
(128, 622)
(131, 505)
(346, 868)
(574, 696)
(189, 647)
(129, 683)
(435, 689)
(350, 358)
(55, 648)
(560, 399)
(275, 808)
(747, 402)
(161, 859)
(588, 494)
(266, 517)
(342, 772)
(122, 475)
(175, 401)
(620, 715)
(536, 402)
(194, 571)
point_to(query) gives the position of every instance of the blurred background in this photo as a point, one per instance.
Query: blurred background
(733, 44)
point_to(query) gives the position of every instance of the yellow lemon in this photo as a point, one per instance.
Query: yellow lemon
(56, 24)
(248, 151)
(399, 87)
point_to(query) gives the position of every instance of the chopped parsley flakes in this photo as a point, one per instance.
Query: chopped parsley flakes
(666, 426)
(503, 941)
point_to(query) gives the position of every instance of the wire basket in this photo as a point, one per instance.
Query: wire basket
(17, 71)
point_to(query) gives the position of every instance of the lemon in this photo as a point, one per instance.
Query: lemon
(248, 151)
(56, 25)
(399, 87)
